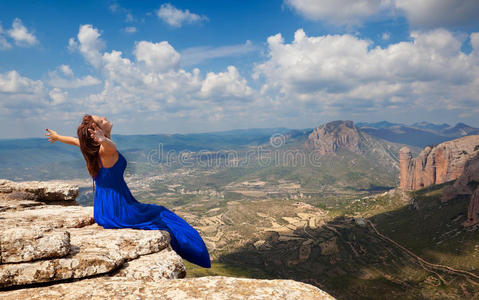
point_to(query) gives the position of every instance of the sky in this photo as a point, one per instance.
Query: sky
(201, 66)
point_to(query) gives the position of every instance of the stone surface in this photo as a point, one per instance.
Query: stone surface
(27, 244)
(45, 191)
(93, 251)
(43, 243)
(210, 287)
(48, 217)
(153, 267)
(438, 164)
(17, 204)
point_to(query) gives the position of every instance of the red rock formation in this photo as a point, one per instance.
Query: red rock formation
(405, 167)
(436, 165)
(333, 137)
(466, 184)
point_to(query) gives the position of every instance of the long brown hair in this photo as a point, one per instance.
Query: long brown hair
(89, 148)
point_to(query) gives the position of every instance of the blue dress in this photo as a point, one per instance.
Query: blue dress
(115, 207)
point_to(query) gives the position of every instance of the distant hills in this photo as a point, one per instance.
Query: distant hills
(365, 153)
(419, 134)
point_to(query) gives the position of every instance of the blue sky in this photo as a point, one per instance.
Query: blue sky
(197, 66)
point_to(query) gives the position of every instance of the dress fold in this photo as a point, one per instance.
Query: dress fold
(115, 207)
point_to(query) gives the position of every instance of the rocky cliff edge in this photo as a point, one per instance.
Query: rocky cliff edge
(51, 248)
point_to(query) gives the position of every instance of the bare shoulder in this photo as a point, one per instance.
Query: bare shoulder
(108, 149)
(108, 159)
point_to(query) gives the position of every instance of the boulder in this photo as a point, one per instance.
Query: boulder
(46, 191)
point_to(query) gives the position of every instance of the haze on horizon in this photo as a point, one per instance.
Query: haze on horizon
(190, 66)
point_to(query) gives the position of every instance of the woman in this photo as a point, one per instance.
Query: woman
(114, 205)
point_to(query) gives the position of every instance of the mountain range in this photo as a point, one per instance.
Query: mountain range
(362, 156)
(419, 134)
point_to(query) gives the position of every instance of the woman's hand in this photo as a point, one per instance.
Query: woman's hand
(97, 134)
(53, 136)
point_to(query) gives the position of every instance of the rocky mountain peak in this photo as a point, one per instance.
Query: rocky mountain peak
(333, 137)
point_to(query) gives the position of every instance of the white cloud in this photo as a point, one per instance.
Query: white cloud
(65, 78)
(386, 36)
(21, 97)
(4, 44)
(344, 73)
(340, 12)
(72, 45)
(420, 14)
(130, 29)
(225, 84)
(175, 17)
(89, 44)
(21, 35)
(116, 8)
(159, 56)
(154, 82)
(57, 96)
(12, 82)
(66, 70)
(439, 13)
(195, 55)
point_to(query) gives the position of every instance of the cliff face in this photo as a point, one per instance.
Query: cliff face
(436, 165)
(467, 185)
(333, 137)
(45, 237)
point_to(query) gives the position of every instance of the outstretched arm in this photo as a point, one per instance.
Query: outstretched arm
(53, 136)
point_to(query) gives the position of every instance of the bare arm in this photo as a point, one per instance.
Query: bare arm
(53, 136)
(107, 146)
